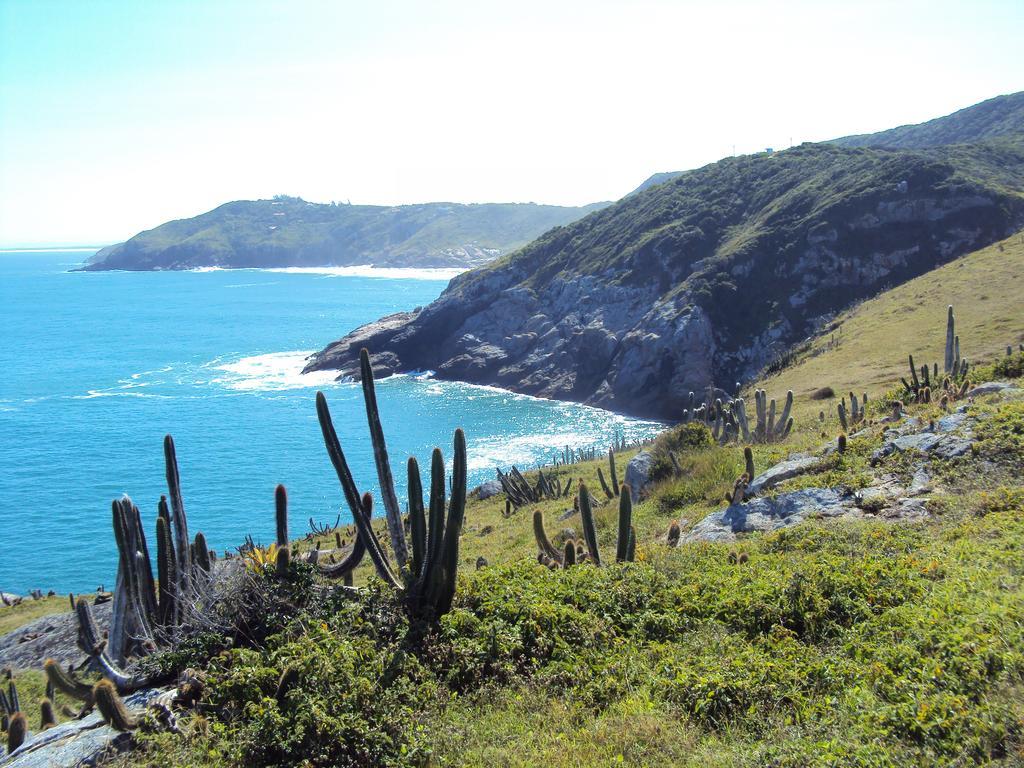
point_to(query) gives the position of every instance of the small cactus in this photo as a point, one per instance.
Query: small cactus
(112, 708)
(569, 555)
(17, 729)
(841, 447)
(47, 718)
(674, 534)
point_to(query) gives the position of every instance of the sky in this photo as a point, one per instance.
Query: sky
(118, 116)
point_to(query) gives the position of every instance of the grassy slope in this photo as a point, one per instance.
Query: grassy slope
(867, 351)
(12, 617)
(860, 643)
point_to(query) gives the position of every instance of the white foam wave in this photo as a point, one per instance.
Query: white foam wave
(526, 450)
(368, 270)
(94, 393)
(272, 372)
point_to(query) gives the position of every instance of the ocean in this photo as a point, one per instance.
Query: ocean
(95, 368)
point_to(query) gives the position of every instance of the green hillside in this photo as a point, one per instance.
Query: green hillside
(999, 116)
(290, 232)
(706, 278)
(987, 289)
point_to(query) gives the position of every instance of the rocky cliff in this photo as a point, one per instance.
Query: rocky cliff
(704, 279)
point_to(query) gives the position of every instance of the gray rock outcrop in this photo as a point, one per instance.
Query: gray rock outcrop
(636, 305)
(638, 474)
(77, 742)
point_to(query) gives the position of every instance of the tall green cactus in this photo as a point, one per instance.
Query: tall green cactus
(396, 529)
(952, 342)
(589, 526)
(625, 524)
(428, 587)
(281, 516)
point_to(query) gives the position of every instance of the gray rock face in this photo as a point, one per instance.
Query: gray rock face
(938, 444)
(488, 489)
(53, 636)
(77, 742)
(765, 514)
(630, 308)
(638, 474)
(785, 470)
(991, 388)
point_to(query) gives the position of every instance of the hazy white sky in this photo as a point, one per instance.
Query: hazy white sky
(116, 116)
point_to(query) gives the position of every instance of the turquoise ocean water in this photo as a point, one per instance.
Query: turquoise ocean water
(96, 367)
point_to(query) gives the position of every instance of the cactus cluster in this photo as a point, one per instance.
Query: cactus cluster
(146, 611)
(855, 414)
(13, 720)
(728, 421)
(952, 391)
(954, 367)
(569, 456)
(426, 579)
(316, 529)
(519, 492)
(574, 552)
(614, 490)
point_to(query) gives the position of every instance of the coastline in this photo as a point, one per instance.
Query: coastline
(355, 270)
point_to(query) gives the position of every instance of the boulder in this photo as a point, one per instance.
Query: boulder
(638, 473)
(938, 444)
(990, 388)
(488, 489)
(77, 742)
(782, 471)
(767, 514)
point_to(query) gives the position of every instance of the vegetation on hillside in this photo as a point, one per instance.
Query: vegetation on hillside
(290, 232)
(986, 287)
(706, 278)
(992, 118)
(843, 643)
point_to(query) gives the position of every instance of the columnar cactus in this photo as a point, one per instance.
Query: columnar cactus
(17, 729)
(64, 682)
(112, 708)
(856, 413)
(396, 529)
(427, 584)
(625, 544)
(952, 342)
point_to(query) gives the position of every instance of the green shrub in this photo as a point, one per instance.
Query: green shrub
(679, 440)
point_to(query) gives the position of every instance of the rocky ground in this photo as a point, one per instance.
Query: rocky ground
(886, 497)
